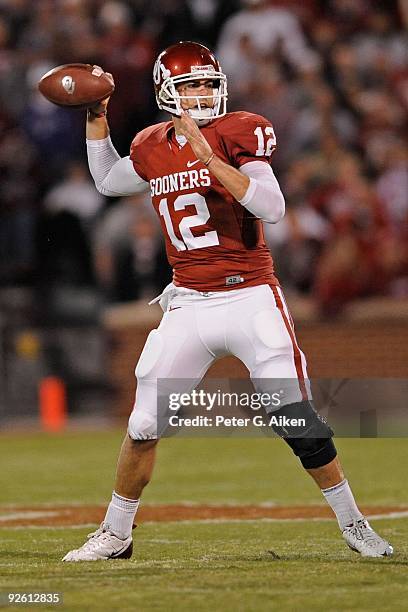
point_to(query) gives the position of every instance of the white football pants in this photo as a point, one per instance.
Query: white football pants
(253, 324)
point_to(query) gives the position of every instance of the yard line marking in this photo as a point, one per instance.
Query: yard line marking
(16, 516)
(75, 515)
(392, 515)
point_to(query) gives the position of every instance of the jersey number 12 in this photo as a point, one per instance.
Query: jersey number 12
(270, 143)
(189, 241)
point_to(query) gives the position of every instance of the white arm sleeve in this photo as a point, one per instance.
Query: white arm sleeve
(113, 175)
(263, 197)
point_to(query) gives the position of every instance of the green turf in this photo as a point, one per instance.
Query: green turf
(225, 566)
(79, 467)
(204, 566)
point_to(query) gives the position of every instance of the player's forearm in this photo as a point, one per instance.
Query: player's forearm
(232, 179)
(254, 186)
(264, 197)
(113, 175)
(102, 156)
(97, 128)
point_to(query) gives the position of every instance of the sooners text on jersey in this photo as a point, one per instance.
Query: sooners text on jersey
(213, 243)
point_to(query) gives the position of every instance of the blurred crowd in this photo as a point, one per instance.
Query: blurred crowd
(331, 75)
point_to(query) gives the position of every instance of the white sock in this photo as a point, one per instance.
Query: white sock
(341, 500)
(120, 515)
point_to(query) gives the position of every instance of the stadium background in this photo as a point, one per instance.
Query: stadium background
(331, 76)
(77, 270)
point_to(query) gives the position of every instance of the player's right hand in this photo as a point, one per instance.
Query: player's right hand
(103, 104)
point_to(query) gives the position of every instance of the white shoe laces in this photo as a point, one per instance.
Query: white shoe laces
(96, 533)
(362, 531)
(95, 538)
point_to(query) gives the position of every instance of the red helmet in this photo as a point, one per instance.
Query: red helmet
(183, 62)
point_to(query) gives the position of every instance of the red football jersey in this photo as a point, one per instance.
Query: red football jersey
(213, 243)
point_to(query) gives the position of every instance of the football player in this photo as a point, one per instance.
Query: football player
(212, 185)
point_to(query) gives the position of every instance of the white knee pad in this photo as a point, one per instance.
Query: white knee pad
(142, 424)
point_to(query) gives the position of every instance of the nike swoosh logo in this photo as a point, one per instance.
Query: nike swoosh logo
(192, 163)
(174, 308)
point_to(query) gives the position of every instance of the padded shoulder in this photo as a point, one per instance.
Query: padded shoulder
(153, 134)
(239, 122)
(246, 137)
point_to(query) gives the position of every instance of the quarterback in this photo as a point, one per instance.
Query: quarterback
(212, 186)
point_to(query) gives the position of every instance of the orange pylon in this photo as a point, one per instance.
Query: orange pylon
(52, 403)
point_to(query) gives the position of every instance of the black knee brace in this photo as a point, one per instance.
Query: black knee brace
(310, 438)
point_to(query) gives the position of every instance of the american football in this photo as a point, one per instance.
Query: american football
(76, 85)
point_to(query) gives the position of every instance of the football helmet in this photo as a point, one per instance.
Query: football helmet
(182, 63)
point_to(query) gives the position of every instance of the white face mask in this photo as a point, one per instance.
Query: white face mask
(169, 99)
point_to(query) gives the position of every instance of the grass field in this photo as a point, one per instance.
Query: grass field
(203, 565)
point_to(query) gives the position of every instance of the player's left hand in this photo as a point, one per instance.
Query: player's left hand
(188, 127)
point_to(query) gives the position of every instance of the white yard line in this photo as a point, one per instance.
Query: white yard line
(29, 514)
(391, 515)
(40, 514)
